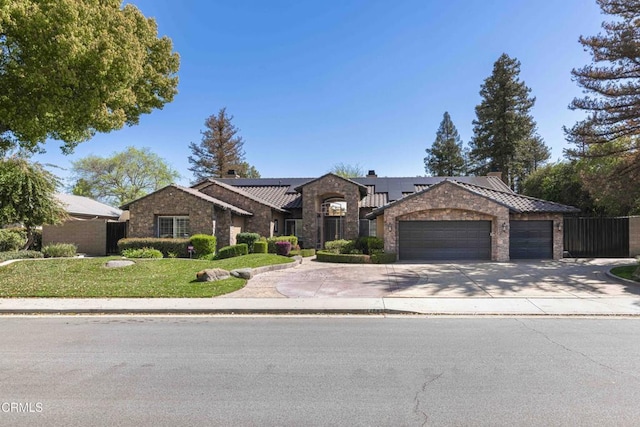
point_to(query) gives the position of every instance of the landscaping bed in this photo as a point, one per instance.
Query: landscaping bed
(147, 278)
(625, 272)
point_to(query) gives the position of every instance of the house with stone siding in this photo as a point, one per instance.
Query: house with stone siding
(419, 218)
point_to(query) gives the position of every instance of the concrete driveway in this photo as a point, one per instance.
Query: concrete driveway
(583, 278)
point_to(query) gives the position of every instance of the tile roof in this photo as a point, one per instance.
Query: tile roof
(196, 193)
(380, 190)
(79, 205)
(242, 191)
(515, 202)
(519, 203)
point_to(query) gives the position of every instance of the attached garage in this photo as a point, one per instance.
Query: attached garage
(531, 239)
(444, 240)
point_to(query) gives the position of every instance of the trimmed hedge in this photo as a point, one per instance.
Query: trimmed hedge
(166, 246)
(248, 238)
(303, 252)
(6, 256)
(233, 251)
(326, 256)
(59, 250)
(369, 245)
(260, 247)
(203, 244)
(271, 241)
(383, 258)
(339, 246)
(142, 253)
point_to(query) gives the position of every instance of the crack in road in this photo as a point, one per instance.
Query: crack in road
(586, 356)
(416, 399)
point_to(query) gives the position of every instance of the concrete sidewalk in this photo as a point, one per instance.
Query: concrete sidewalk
(603, 306)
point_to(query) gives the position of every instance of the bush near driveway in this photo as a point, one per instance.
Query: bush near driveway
(89, 278)
(377, 258)
(164, 245)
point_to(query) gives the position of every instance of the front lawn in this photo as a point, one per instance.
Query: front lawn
(148, 278)
(624, 272)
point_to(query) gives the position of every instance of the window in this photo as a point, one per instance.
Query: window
(173, 226)
(293, 227)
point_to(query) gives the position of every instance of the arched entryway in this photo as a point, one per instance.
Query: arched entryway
(331, 218)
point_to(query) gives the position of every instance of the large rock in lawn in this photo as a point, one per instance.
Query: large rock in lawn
(243, 273)
(117, 263)
(212, 274)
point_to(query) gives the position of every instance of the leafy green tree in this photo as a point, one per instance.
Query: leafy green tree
(220, 150)
(346, 170)
(122, 177)
(445, 157)
(27, 195)
(560, 182)
(503, 120)
(612, 83)
(70, 68)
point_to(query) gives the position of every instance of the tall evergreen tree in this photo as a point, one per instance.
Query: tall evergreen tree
(612, 83)
(445, 157)
(503, 120)
(220, 149)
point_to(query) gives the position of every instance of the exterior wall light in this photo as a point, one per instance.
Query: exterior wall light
(504, 227)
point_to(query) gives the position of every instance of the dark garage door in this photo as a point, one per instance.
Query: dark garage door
(531, 239)
(445, 240)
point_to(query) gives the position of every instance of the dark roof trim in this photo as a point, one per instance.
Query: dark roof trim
(362, 188)
(195, 193)
(212, 181)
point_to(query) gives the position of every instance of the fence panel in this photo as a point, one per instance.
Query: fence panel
(596, 237)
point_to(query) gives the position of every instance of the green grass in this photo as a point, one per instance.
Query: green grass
(148, 278)
(625, 271)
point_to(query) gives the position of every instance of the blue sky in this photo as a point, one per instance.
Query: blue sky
(314, 83)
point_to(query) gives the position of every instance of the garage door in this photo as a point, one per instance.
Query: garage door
(444, 240)
(531, 239)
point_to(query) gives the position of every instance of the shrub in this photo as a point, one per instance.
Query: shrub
(203, 244)
(59, 250)
(233, 251)
(303, 252)
(6, 256)
(142, 253)
(383, 258)
(338, 246)
(177, 246)
(369, 244)
(283, 248)
(272, 242)
(12, 240)
(327, 256)
(260, 247)
(248, 238)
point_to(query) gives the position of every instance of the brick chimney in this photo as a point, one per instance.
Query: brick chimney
(371, 174)
(231, 173)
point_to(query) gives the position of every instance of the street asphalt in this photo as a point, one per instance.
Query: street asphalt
(566, 287)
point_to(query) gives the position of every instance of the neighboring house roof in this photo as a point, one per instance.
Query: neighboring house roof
(515, 202)
(196, 193)
(86, 207)
(284, 192)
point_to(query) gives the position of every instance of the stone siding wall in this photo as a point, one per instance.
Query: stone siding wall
(449, 202)
(313, 195)
(260, 222)
(634, 236)
(558, 234)
(90, 236)
(170, 201)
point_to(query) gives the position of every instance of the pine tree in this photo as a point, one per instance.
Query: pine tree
(530, 155)
(220, 149)
(445, 157)
(613, 86)
(503, 120)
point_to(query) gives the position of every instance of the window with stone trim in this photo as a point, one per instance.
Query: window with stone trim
(173, 226)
